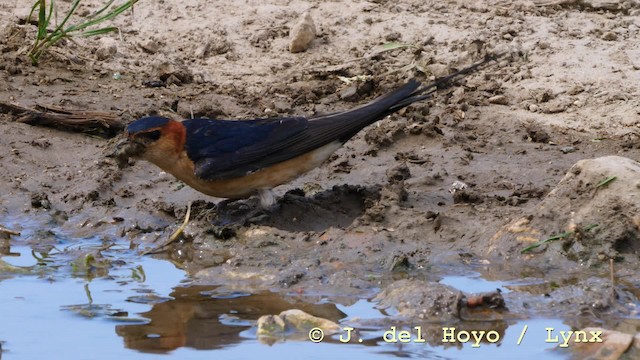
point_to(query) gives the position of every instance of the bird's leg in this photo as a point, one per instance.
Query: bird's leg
(267, 198)
(268, 204)
(228, 217)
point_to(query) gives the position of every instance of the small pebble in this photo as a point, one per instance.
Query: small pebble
(499, 99)
(106, 49)
(150, 46)
(544, 45)
(438, 70)
(349, 93)
(302, 34)
(610, 36)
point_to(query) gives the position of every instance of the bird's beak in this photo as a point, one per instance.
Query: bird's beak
(126, 149)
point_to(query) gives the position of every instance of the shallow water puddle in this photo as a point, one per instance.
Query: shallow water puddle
(473, 284)
(46, 312)
(86, 300)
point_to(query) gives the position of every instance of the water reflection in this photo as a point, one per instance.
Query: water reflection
(199, 318)
(157, 312)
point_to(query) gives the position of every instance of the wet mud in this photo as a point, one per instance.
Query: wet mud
(525, 173)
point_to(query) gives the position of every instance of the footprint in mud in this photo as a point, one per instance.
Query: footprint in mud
(337, 207)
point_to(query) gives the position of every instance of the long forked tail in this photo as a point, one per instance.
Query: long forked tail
(339, 127)
(424, 91)
(348, 123)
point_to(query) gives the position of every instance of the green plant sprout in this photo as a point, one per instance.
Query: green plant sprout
(556, 237)
(45, 38)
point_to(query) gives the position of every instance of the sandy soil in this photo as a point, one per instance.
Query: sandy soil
(381, 209)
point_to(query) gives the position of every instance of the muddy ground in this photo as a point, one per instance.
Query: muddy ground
(383, 212)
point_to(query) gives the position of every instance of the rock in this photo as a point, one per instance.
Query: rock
(568, 149)
(106, 49)
(301, 321)
(468, 196)
(40, 200)
(542, 95)
(556, 107)
(172, 80)
(412, 298)
(610, 36)
(575, 90)
(594, 4)
(499, 100)
(544, 44)
(612, 346)
(350, 93)
(293, 323)
(214, 46)
(590, 220)
(457, 96)
(398, 173)
(394, 36)
(150, 46)
(537, 134)
(175, 72)
(604, 4)
(478, 6)
(438, 70)
(634, 351)
(269, 325)
(302, 34)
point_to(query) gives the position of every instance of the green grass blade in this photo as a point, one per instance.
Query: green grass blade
(101, 10)
(42, 18)
(45, 39)
(100, 31)
(549, 239)
(57, 33)
(66, 18)
(590, 227)
(46, 23)
(606, 181)
(33, 8)
(556, 237)
(115, 12)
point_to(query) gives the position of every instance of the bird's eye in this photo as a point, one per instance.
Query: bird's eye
(152, 135)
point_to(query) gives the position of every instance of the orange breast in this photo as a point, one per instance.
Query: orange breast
(182, 168)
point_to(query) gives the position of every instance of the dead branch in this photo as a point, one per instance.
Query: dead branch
(8, 232)
(101, 122)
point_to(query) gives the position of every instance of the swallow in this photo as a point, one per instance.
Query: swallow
(236, 159)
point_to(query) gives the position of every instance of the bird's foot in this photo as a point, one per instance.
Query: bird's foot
(234, 212)
(228, 210)
(254, 216)
(231, 217)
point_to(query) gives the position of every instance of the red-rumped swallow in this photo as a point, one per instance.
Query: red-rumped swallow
(235, 159)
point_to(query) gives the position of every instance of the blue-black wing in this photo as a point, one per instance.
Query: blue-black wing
(223, 149)
(228, 148)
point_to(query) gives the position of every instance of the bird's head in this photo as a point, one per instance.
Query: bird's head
(151, 138)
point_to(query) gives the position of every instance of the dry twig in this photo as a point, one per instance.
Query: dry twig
(176, 234)
(103, 122)
(8, 232)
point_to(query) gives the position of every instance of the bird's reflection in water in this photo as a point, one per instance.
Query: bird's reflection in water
(198, 318)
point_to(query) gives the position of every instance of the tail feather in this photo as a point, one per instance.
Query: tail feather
(349, 123)
(425, 91)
